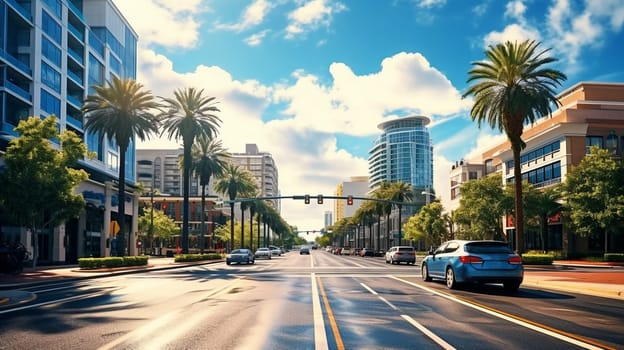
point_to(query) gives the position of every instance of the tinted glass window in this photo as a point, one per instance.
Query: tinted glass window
(406, 249)
(488, 247)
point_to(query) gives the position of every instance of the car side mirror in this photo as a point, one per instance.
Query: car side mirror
(431, 251)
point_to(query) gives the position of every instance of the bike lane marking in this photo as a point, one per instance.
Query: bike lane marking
(523, 322)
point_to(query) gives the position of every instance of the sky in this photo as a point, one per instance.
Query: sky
(309, 81)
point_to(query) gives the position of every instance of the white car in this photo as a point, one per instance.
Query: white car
(263, 253)
(346, 251)
(275, 251)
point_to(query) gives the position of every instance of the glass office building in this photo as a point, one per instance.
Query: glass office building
(402, 153)
(51, 53)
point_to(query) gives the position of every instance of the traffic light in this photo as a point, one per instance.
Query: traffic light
(306, 199)
(350, 200)
(319, 199)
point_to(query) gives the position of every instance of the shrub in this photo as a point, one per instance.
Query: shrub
(537, 259)
(112, 261)
(614, 257)
(197, 257)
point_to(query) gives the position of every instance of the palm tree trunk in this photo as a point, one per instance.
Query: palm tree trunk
(519, 222)
(258, 220)
(186, 183)
(242, 227)
(231, 225)
(388, 231)
(400, 235)
(203, 219)
(121, 204)
(251, 229)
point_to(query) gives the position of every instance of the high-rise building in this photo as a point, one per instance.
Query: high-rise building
(262, 166)
(402, 153)
(160, 169)
(357, 186)
(328, 219)
(51, 53)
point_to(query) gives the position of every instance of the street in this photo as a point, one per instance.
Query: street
(317, 301)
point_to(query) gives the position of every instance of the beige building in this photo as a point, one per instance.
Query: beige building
(590, 114)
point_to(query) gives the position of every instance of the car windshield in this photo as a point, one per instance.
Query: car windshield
(488, 247)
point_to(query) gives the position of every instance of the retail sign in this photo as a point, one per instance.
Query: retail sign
(114, 228)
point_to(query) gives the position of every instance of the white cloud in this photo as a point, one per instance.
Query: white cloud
(311, 15)
(167, 23)
(252, 16)
(256, 39)
(430, 3)
(513, 33)
(515, 9)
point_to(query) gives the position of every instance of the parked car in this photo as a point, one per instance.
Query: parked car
(337, 251)
(304, 250)
(240, 256)
(367, 252)
(346, 251)
(399, 254)
(275, 251)
(461, 261)
(263, 253)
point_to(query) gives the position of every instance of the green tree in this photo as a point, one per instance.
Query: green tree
(209, 159)
(164, 226)
(594, 195)
(189, 116)
(429, 224)
(541, 205)
(38, 182)
(399, 192)
(512, 88)
(231, 183)
(121, 111)
(482, 204)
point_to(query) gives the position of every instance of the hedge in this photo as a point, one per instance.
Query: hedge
(197, 257)
(614, 257)
(537, 259)
(112, 261)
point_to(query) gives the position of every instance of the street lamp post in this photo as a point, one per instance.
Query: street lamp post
(427, 194)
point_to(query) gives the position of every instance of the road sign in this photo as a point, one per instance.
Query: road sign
(114, 228)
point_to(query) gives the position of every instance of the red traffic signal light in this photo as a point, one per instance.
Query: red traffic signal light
(319, 199)
(350, 200)
(306, 199)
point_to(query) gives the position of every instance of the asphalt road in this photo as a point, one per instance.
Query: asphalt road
(321, 301)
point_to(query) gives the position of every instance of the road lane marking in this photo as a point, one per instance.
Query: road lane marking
(330, 316)
(320, 338)
(427, 332)
(538, 327)
(57, 301)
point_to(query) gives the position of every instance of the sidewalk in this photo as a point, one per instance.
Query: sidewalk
(598, 279)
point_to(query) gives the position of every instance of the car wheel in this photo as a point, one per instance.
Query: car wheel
(424, 271)
(227, 262)
(269, 257)
(511, 286)
(451, 283)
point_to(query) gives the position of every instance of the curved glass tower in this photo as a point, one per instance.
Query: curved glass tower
(402, 153)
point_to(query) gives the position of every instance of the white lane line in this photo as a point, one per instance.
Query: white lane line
(320, 338)
(506, 318)
(427, 332)
(147, 329)
(413, 322)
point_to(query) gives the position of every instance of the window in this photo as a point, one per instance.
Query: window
(54, 6)
(50, 77)
(50, 51)
(49, 103)
(612, 142)
(113, 161)
(592, 141)
(51, 27)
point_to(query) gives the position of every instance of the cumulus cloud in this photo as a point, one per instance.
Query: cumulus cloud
(310, 16)
(252, 16)
(167, 23)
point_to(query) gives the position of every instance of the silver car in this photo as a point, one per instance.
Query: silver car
(240, 256)
(399, 254)
(263, 253)
(460, 261)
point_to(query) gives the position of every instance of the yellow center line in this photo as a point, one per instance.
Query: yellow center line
(330, 316)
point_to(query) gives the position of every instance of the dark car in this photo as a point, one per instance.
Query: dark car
(460, 261)
(240, 256)
(367, 252)
(304, 250)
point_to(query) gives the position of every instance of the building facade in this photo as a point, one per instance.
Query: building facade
(264, 170)
(357, 186)
(51, 53)
(590, 114)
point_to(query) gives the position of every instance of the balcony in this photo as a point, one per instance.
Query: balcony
(15, 89)
(21, 10)
(74, 101)
(75, 77)
(16, 63)
(76, 32)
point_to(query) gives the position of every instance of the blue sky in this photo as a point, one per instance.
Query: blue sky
(309, 80)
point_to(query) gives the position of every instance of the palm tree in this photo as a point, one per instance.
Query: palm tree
(121, 111)
(189, 115)
(243, 207)
(233, 182)
(399, 192)
(209, 158)
(512, 88)
(380, 193)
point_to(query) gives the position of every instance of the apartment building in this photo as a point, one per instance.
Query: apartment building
(357, 186)
(264, 170)
(51, 53)
(591, 113)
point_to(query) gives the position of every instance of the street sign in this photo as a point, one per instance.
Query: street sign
(114, 228)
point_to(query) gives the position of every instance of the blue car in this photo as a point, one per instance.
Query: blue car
(461, 262)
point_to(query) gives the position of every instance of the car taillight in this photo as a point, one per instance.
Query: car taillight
(470, 259)
(515, 260)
